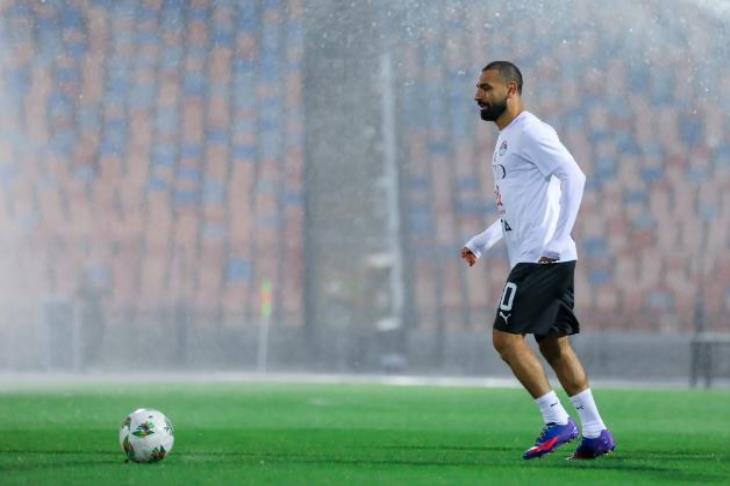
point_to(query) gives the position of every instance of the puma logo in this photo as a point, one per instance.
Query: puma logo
(505, 317)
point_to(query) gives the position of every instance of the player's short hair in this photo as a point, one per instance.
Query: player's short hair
(508, 71)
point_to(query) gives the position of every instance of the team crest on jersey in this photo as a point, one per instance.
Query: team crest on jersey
(503, 148)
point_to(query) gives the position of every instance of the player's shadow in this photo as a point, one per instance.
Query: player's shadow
(677, 455)
(622, 463)
(613, 462)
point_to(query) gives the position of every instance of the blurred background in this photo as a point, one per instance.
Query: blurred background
(285, 185)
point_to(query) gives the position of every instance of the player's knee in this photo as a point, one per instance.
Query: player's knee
(504, 346)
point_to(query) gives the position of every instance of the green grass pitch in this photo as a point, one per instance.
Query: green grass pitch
(354, 434)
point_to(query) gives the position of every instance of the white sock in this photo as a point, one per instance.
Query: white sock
(551, 408)
(588, 412)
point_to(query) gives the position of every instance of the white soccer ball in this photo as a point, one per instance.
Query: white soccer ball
(146, 435)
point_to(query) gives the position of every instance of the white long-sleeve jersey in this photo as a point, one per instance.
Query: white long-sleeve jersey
(538, 187)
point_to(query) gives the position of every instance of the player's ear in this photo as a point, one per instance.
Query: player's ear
(512, 88)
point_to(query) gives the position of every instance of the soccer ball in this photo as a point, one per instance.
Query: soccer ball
(146, 435)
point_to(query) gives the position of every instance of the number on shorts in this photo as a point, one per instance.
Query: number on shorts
(508, 296)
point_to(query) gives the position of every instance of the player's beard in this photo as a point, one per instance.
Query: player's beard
(494, 111)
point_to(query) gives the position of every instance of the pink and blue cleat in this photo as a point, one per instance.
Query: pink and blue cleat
(552, 437)
(598, 446)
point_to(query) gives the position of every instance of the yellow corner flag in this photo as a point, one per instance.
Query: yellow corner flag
(266, 299)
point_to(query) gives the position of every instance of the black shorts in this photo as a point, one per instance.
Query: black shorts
(538, 299)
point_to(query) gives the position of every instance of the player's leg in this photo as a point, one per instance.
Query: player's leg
(514, 350)
(560, 356)
(559, 427)
(526, 308)
(597, 440)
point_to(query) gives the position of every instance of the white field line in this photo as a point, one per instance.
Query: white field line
(46, 381)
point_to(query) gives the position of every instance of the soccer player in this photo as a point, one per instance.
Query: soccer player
(538, 187)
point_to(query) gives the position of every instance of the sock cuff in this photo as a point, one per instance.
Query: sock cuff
(550, 396)
(582, 395)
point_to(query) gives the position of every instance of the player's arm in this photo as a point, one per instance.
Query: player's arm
(482, 242)
(572, 183)
(553, 159)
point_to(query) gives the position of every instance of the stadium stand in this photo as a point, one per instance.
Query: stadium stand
(161, 143)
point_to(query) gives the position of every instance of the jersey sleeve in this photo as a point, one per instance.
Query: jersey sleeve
(543, 148)
(482, 242)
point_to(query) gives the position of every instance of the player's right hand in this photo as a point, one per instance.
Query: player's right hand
(468, 256)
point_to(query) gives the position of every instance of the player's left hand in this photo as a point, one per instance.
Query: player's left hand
(468, 256)
(547, 260)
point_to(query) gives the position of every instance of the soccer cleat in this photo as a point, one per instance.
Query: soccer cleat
(598, 446)
(552, 437)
